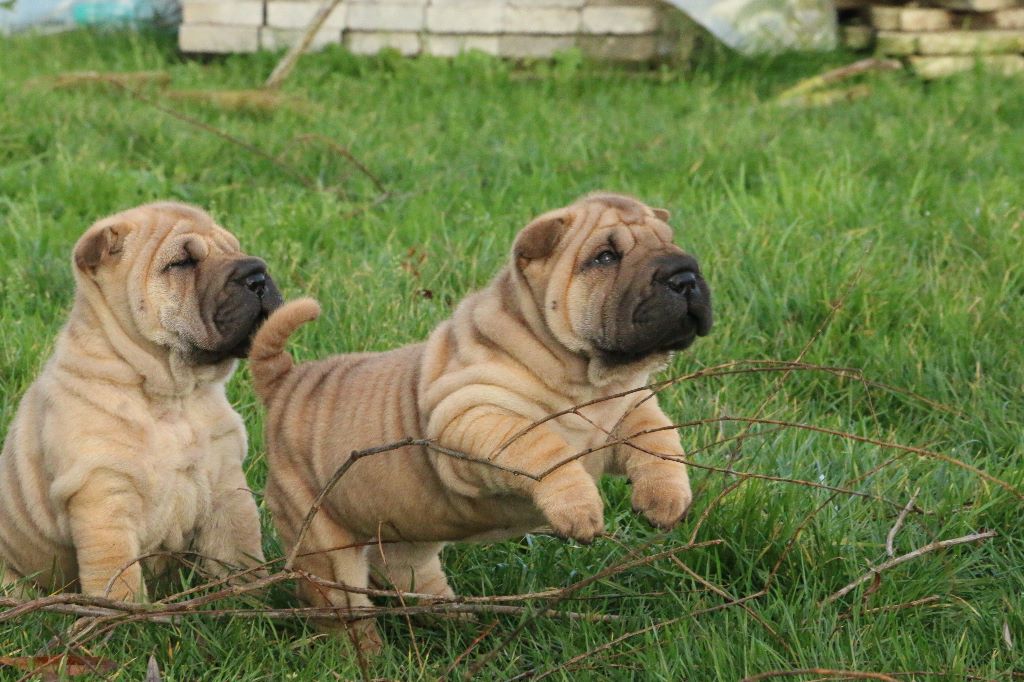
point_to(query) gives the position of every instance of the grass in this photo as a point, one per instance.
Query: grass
(905, 208)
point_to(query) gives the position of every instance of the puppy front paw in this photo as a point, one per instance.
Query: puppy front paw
(662, 499)
(575, 511)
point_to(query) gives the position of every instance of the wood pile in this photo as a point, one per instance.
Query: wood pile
(939, 37)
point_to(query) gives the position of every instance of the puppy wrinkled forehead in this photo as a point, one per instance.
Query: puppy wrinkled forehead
(627, 209)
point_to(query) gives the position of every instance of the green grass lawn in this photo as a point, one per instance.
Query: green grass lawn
(903, 211)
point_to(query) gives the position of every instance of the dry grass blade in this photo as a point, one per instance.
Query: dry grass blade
(344, 152)
(941, 544)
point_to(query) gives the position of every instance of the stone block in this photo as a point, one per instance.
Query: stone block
(976, 5)
(542, 20)
(856, 37)
(895, 43)
(371, 42)
(451, 45)
(547, 3)
(1008, 18)
(620, 48)
(970, 42)
(911, 18)
(534, 46)
(216, 38)
(619, 20)
(465, 17)
(292, 14)
(229, 12)
(939, 67)
(386, 16)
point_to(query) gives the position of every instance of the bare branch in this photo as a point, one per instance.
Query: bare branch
(941, 544)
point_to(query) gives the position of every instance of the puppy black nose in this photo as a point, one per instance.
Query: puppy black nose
(257, 283)
(252, 274)
(683, 282)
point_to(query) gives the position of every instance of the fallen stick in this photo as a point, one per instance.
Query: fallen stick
(835, 75)
(824, 98)
(941, 544)
(128, 79)
(234, 100)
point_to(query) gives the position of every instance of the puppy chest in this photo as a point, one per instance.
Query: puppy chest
(590, 429)
(181, 494)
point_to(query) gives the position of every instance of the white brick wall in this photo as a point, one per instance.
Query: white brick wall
(623, 29)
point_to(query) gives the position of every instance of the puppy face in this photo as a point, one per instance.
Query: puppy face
(615, 285)
(173, 277)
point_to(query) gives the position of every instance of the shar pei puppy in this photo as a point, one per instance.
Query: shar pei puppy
(125, 444)
(594, 298)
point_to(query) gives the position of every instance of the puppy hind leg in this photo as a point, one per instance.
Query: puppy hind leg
(331, 553)
(12, 584)
(411, 567)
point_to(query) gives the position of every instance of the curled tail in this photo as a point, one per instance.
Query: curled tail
(268, 360)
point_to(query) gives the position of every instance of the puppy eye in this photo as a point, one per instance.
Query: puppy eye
(606, 257)
(184, 262)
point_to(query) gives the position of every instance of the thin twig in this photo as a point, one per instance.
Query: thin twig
(891, 537)
(343, 151)
(931, 547)
(303, 179)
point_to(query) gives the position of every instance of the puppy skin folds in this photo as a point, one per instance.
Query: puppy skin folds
(126, 444)
(594, 298)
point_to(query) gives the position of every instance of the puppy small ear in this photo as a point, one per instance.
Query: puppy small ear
(661, 214)
(99, 245)
(538, 239)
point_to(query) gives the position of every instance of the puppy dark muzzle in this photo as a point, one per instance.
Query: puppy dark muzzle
(687, 292)
(238, 307)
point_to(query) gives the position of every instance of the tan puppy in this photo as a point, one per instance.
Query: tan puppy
(126, 443)
(594, 299)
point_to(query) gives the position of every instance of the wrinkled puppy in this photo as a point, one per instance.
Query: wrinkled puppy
(126, 443)
(594, 298)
